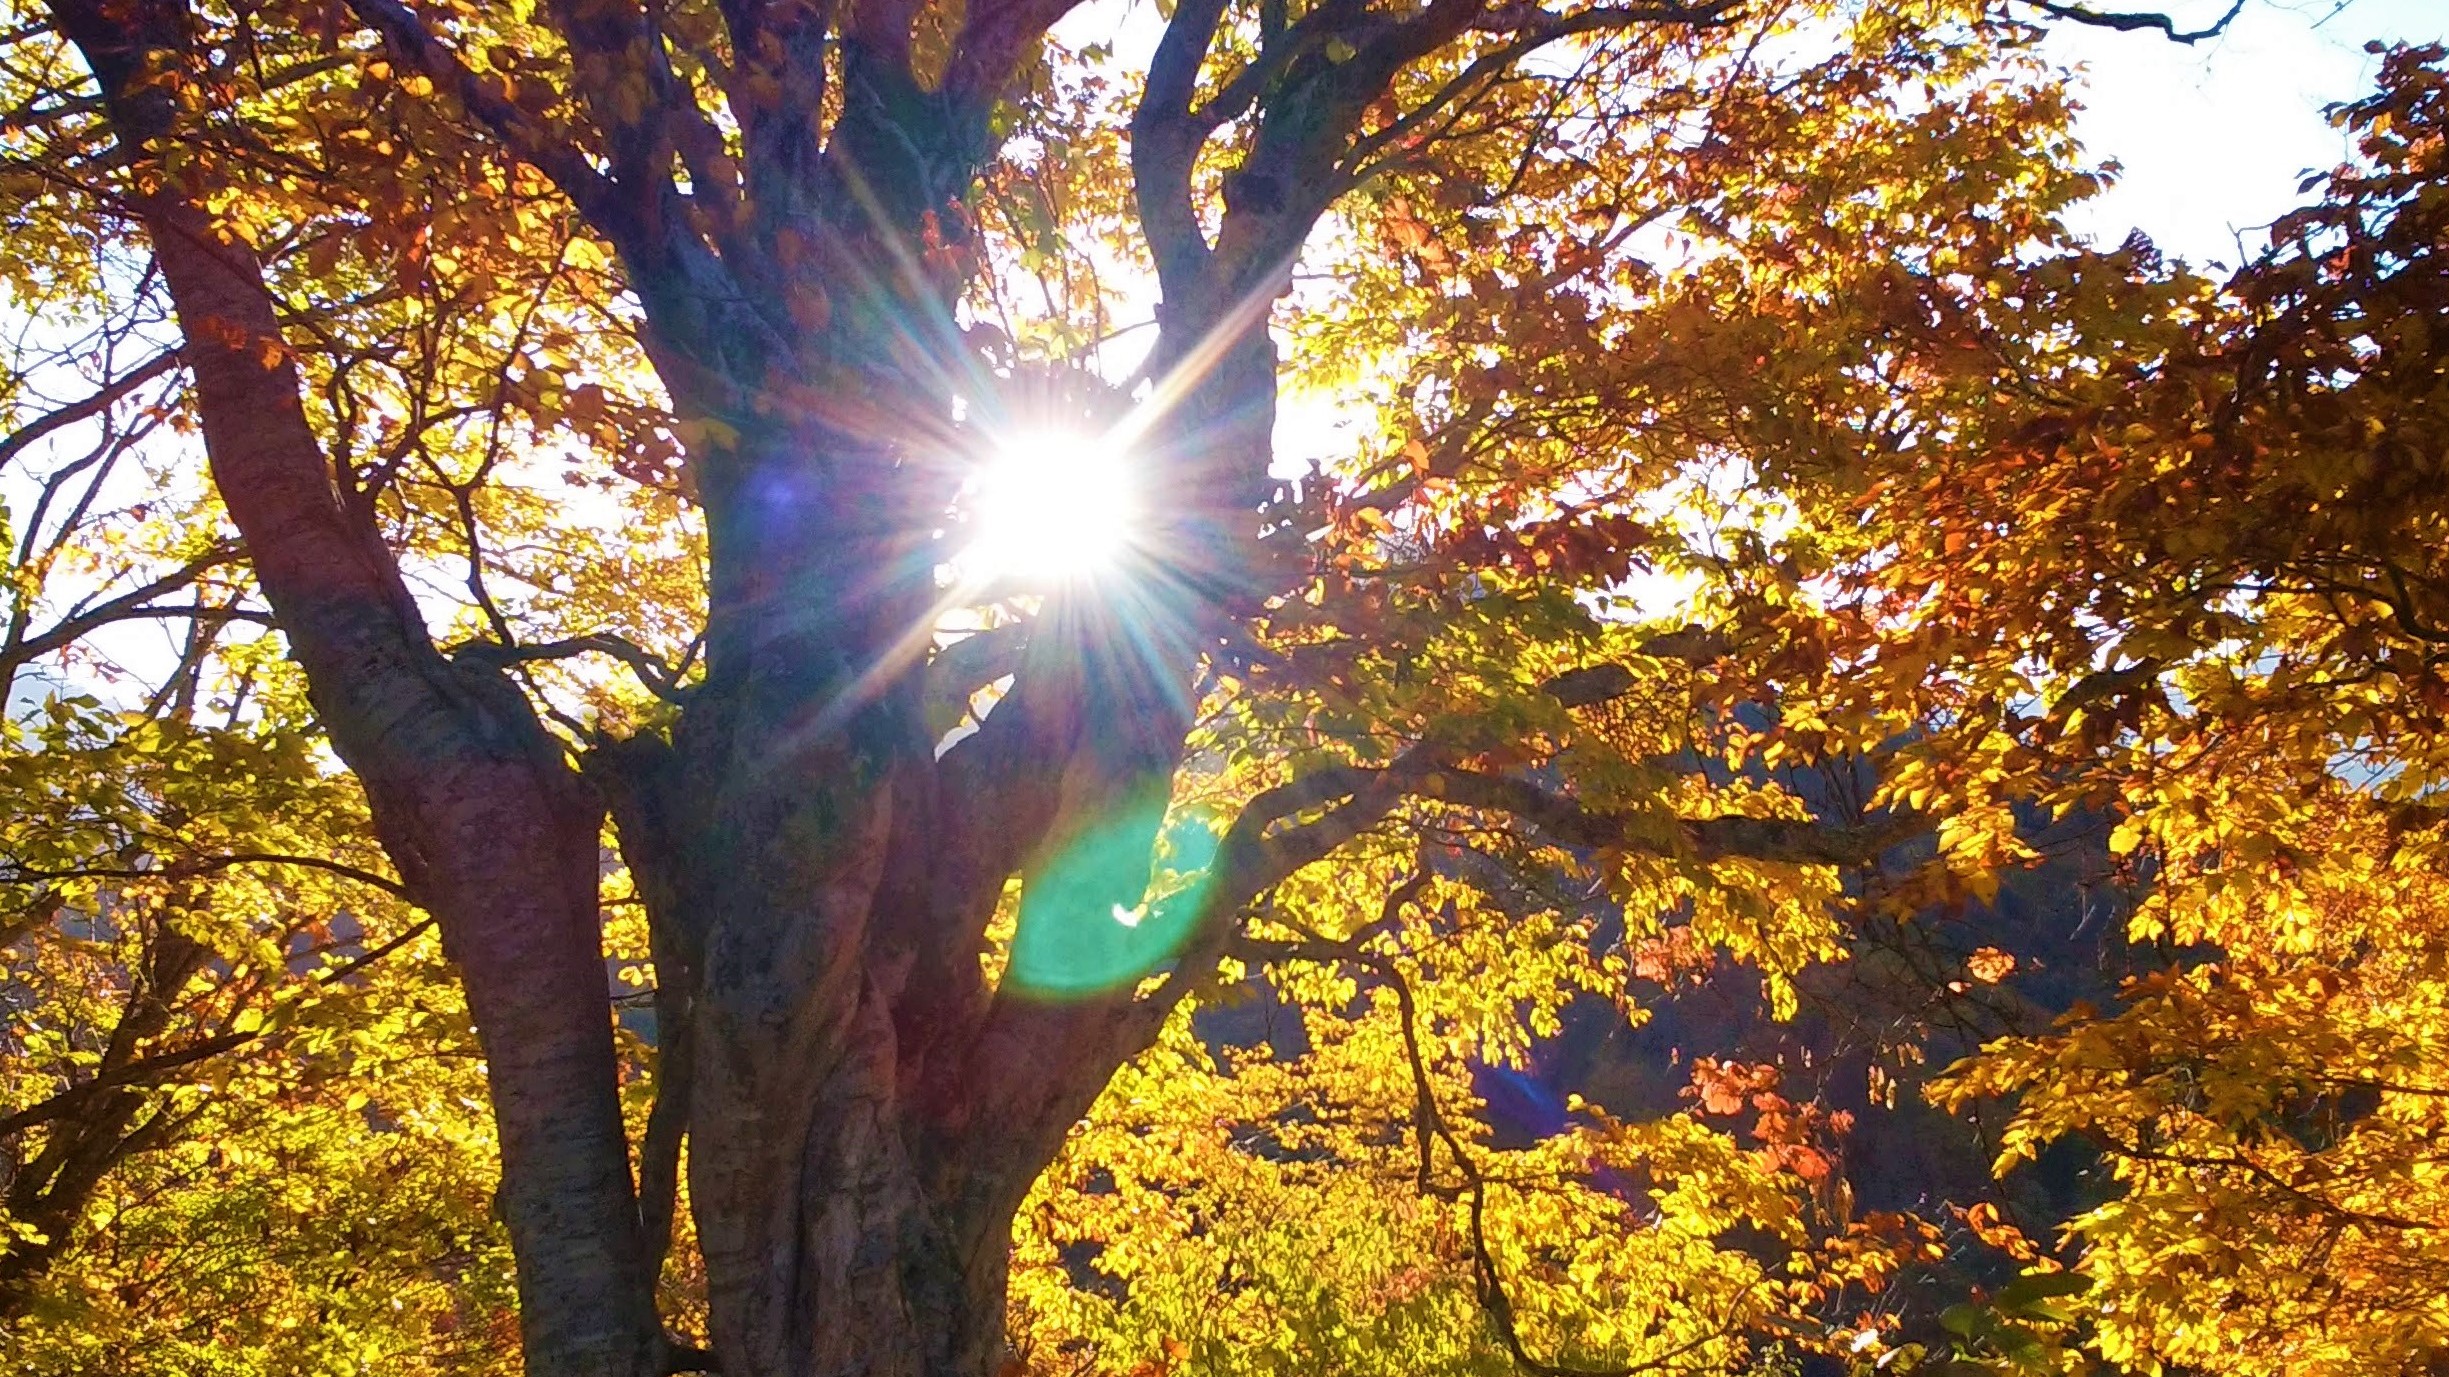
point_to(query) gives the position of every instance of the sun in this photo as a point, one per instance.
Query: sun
(1048, 507)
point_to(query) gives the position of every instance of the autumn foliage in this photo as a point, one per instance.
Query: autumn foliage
(1814, 776)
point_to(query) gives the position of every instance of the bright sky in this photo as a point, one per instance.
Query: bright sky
(2214, 138)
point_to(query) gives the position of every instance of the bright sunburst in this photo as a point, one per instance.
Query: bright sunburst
(1048, 507)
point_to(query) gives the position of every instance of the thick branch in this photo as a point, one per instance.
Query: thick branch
(1786, 840)
(611, 66)
(967, 665)
(1568, 822)
(994, 36)
(1039, 1065)
(778, 74)
(1165, 141)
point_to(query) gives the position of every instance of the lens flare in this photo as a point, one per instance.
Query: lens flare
(1095, 918)
(1049, 507)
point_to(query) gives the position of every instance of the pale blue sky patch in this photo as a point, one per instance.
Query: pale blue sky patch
(2213, 139)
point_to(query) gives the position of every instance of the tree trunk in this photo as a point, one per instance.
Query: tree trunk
(834, 1245)
(491, 830)
(786, 844)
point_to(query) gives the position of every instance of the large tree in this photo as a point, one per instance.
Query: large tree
(813, 210)
(786, 188)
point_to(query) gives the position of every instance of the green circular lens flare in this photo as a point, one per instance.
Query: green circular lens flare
(1095, 919)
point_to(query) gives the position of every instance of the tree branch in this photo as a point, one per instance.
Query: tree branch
(778, 58)
(596, 196)
(142, 1071)
(185, 867)
(993, 36)
(967, 665)
(1534, 29)
(1434, 1129)
(1594, 684)
(1791, 841)
(2318, 1204)
(107, 396)
(1165, 140)
(129, 606)
(132, 1073)
(2130, 21)
(661, 679)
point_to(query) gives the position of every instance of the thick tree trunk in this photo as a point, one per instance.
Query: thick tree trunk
(491, 833)
(833, 1245)
(786, 845)
(491, 830)
(864, 1114)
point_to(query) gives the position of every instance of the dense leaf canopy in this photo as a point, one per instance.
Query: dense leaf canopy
(1787, 769)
